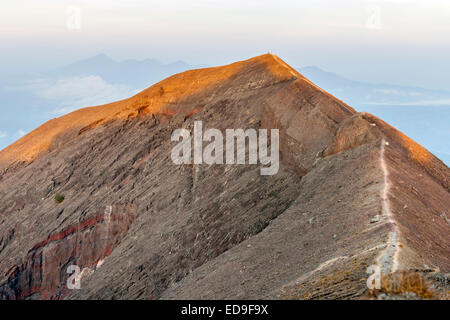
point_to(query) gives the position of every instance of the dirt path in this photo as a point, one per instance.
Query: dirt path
(388, 260)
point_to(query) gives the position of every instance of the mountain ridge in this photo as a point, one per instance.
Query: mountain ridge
(351, 192)
(141, 102)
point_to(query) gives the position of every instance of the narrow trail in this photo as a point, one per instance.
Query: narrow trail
(388, 259)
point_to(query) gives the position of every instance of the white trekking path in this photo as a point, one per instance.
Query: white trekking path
(388, 259)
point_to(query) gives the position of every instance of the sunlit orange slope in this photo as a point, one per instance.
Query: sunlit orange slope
(156, 99)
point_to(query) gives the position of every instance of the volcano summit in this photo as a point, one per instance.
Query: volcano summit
(351, 192)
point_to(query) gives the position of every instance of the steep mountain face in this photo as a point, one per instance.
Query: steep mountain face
(351, 192)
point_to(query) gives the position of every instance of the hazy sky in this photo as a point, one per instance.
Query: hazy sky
(395, 41)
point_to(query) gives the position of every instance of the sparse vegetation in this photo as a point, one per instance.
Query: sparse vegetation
(59, 197)
(342, 283)
(404, 282)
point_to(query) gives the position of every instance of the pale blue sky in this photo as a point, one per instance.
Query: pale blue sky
(395, 41)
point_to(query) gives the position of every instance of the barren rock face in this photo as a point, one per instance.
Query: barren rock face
(141, 227)
(44, 269)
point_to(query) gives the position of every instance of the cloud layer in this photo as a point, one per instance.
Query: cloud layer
(78, 92)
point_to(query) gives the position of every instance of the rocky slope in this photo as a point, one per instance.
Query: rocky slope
(351, 192)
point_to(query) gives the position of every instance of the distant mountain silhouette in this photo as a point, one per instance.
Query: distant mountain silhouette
(135, 73)
(355, 92)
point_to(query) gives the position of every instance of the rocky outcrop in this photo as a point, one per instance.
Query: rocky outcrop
(43, 272)
(218, 231)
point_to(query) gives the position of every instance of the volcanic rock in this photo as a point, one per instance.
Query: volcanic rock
(142, 227)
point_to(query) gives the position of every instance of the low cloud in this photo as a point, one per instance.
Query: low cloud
(69, 94)
(442, 102)
(397, 92)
